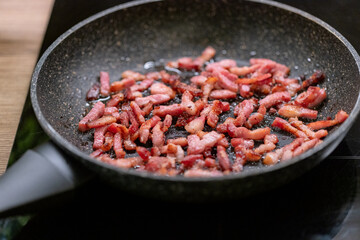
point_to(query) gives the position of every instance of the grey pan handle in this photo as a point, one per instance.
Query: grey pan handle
(37, 180)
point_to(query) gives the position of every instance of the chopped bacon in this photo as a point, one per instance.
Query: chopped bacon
(188, 63)
(275, 98)
(208, 53)
(148, 108)
(269, 144)
(100, 122)
(223, 158)
(178, 141)
(222, 94)
(202, 173)
(124, 119)
(195, 125)
(153, 75)
(99, 137)
(340, 117)
(115, 100)
(108, 141)
(119, 151)
(311, 98)
(311, 134)
(173, 110)
(118, 127)
(243, 111)
(97, 153)
(166, 123)
(105, 84)
(314, 79)
(160, 88)
(198, 80)
(96, 112)
(134, 123)
(242, 141)
(143, 153)
(242, 132)
(258, 79)
(132, 95)
(222, 128)
(216, 109)
(245, 91)
(133, 75)
(123, 162)
(189, 160)
(188, 104)
(283, 153)
(158, 137)
(145, 84)
(120, 85)
(138, 112)
(159, 164)
(93, 93)
(182, 87)
(305, 146)
(240, 158)
(284, 125)
(145, 128)
(242, 71)
(154, 99)
(196, 146)
(289, 111)
(129, 144)
(226, 80)
(256, 118)
(207, 88)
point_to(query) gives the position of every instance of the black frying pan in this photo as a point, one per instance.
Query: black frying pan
(129, 35)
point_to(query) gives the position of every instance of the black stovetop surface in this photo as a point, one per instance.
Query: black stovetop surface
(322, 204)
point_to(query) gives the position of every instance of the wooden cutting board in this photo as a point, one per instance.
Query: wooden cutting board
(22, 26)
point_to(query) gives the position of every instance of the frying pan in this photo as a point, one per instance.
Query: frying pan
(130, 35)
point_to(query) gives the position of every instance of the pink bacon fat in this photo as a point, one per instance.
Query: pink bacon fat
(223, 108)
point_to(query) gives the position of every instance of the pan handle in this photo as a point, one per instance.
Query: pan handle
(35, 181)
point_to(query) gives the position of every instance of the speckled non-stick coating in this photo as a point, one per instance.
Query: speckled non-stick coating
(126, 38)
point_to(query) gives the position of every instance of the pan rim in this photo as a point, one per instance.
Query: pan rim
(64, 144)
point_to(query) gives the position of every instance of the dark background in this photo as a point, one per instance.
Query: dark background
(312, 207)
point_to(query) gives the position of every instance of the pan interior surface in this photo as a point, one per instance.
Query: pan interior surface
(128, 38)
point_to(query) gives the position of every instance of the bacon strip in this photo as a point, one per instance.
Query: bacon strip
(154, 99)
(145, 128)
(290, 111)
(242, 132)
(133, 75)
(302, 127)
(119, 151)
(340, 117)
(284, 125)
(173, 110)
(196, 125)
(315, 78)
(160, 88)
(275, 98)
(222, 94)
(117, 86)
(105, 84)
(223, 158)
(96, 112)
(99, 137)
